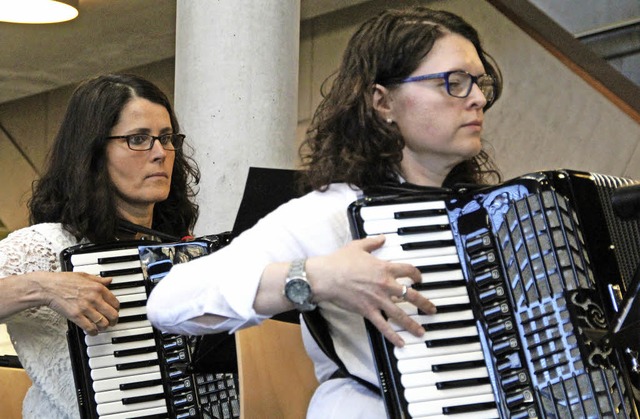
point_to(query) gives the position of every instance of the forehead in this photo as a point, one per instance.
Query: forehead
(138, 107)
(140, 113)
(452, 52)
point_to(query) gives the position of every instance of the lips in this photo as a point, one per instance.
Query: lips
(159, 174)
(477, 123)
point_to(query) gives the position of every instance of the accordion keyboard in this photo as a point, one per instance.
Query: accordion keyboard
(443, 372)
(132, 369)
(125, 366)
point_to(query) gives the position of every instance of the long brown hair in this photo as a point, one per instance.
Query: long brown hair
(347, 140)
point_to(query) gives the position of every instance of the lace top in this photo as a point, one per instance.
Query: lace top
(39, 334)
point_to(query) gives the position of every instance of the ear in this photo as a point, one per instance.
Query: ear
(382, 102)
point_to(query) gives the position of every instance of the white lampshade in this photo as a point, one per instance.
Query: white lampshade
(38, 11)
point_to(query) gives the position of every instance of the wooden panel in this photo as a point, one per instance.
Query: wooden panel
(14, 383)
(276, 375)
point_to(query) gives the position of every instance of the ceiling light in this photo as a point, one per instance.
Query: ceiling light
(38, 11)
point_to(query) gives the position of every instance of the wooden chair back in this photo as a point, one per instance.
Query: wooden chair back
(276, 376)
(14, 384)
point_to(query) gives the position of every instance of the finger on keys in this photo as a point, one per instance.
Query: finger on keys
(371, 243)
(405, 273)
(112, 319)
(425, 305)
(401, 318)
(105, 307)
(385, 328)
(109, 297)
(111, 311)
(92, 329)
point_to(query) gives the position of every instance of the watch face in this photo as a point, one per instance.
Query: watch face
(297, 290)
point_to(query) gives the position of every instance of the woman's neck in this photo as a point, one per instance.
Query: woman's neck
(424, 171)
(134, 224)
(136, 216)
(131, 231)
(421, 176)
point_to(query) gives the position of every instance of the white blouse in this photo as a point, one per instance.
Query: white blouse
(225, 284)
(39, 334)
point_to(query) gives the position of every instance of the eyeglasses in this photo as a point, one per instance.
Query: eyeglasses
(144, 142)
(459, 83)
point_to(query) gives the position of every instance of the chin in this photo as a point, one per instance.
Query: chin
(157, 197)
(162, 198)
(469, 154)
(474, 148)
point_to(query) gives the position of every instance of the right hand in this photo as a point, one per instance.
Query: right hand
(354, 279)
(82, 298)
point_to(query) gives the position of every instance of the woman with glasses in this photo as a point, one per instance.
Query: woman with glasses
(406, 105)
(116, 167)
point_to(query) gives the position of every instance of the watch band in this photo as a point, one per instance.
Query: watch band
(296, 269)
(297, 287)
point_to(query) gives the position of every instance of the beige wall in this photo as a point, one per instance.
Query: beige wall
(547, 118)
(6, 348)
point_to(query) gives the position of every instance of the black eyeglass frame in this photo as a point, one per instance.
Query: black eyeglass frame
(172, 137)
(445, 76)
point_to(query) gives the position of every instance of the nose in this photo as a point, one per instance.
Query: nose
(157, 150)
(478, 98)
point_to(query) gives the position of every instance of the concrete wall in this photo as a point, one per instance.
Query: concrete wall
(547, 118)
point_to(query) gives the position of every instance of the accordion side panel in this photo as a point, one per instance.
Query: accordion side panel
(624, 233)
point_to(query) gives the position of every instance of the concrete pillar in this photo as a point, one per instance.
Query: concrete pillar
(236, 95)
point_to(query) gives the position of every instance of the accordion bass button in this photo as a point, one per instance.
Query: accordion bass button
(478, 243)
(528, 412)
(176, 343)
(518, 378)
(496, 311)
(498, 329)
(491, 294)
(519, 398)
(487, 277)
(483, 260)
(507, 344)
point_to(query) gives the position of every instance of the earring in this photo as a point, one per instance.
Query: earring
(389, 121)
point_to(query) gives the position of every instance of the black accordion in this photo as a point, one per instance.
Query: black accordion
(133, 370)
(532, 280)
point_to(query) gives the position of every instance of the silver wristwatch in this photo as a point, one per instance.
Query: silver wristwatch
(296, 287)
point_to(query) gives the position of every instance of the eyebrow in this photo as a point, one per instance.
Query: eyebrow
(165, 130)
(465, 71)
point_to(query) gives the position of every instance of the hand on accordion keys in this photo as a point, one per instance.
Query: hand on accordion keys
(356, 280)
(83, 299)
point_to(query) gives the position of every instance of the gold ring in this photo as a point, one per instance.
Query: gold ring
(99, 320)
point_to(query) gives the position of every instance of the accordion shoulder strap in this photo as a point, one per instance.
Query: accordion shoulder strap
(319, 329)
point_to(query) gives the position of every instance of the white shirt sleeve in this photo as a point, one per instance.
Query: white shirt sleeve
(224, 284)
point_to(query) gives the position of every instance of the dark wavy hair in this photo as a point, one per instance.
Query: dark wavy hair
(76, 190)
(347, 141)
